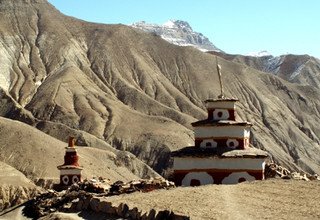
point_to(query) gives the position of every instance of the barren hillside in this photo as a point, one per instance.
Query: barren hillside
(113, 85)
(37, 155)
(15, 188)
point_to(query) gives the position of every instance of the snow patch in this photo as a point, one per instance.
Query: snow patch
(273, 64)
(38, 83)
(169, 24)
(296, 72)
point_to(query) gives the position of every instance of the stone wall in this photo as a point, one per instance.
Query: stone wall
(92, 195)
(123, 210)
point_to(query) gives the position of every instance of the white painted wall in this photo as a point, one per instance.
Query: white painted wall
(70, 172)
(188, 163)
(247, 132)
(222, 131)
(71, 149)
(221, 104)
(234, 177)
(203, 177)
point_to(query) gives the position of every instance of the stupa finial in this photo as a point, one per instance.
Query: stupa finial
(221, 96)
(71, 141)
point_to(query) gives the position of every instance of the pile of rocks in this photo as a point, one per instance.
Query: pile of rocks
(52, 201)
(77, 201)
(90, 195)
(102, 205)
(273, 170)
(145, 185)
(103, 186)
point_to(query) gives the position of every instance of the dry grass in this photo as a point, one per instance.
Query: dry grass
(271, 199)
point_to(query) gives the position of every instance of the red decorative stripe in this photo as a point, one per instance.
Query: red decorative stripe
(71, 158)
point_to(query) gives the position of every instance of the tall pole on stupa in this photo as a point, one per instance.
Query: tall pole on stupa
(221, 96)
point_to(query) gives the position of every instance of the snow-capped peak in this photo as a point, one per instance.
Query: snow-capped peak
(169, 24)
(178, 24)
(262, 53)
(178, 32)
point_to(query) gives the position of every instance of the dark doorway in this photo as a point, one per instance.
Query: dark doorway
(195, 182)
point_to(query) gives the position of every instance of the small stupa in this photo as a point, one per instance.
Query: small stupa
(222, 153)
(70, 171)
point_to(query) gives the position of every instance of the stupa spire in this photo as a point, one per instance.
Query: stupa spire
(221, 96)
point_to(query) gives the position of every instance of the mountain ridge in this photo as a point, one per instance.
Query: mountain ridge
(300, 69)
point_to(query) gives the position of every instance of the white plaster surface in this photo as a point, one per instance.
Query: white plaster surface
(203, 177)
(70, 172)
(71, 149)
(247, 132)
(221, 104)
(189, 163)
(234, 177)
(222, 131)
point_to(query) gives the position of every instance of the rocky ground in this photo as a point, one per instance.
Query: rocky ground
(159, 199)
(271, 199)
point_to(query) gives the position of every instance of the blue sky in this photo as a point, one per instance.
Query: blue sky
(235, 26)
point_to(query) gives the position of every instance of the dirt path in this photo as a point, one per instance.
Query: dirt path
(231, 203)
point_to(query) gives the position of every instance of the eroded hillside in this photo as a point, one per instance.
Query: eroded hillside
(134, 91)
(37, 155)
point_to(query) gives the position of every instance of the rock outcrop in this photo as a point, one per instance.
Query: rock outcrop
(273, 170)
(15, 188)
